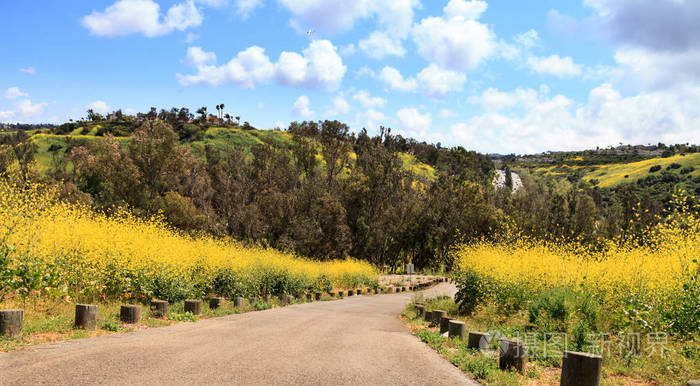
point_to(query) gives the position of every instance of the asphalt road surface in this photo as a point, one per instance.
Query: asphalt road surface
(357, 340)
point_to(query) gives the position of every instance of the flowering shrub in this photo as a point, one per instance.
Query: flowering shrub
(56, 249)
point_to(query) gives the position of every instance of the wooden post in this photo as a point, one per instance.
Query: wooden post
(332, 294)
(512, 354)
(456, 328)
(478, 340)
(419, 310)
(283, 299)
(194, 306)
(427, 315)
(340, 294)
(444, 324)
(308, 297)
(238, 301)
(581, 369)
(130, 314)
(437, 316)
(403, 289)
(376, 291)
(317, 296)
(11, 322)
(159, 308)
(216, 302)
(359, 291)
(86, 316)
(252, 300)
(351, 292)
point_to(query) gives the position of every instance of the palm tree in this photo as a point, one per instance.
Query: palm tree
(221, 114)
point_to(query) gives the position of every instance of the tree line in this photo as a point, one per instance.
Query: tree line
(328, 193)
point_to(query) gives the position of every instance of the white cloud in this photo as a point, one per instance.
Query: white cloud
(127, 17)
(494, 100)
(368, 101)
(554, 65)
(433, 81)
(340, 106)
(29, 110)
(379, 45)
(6, 114)
(99, 107)
(191, 37)
(245, 7)
(319, 66)
(28, 70)
(14, 93)
(446, 113)
(535, 121)
(395, 17)
(347, 50)
(470, 10)
(374, 118)
(393, 79)
(437, 82)
(413, 122)
(648, 70)
(301, 107)
(248, 68)
(527, 39)
(453, 41)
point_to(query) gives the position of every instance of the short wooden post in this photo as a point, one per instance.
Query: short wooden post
(340, 294)
(290, 299)
(332, 294)
(359, 291)
(308, 297)
(11, 322)
(478, 340)
(456, 328)
(512, 354)
(86, 316)
(398, 289)
(581, 369)
(444, 324)
(437, 316)
(283, 299)
(317, 296)
(238, 301)
(130, 314)
(159, 308)
(403, 289)
(419, 310)
(376, 291)
(351, 292)
(252, 300)
(427, 315)
(215, 302)
(194, 306)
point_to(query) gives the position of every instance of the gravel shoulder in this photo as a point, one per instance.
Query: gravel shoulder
(357, 340)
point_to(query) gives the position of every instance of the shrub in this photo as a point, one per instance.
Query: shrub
(687, 170)
(674, 166)
(471, 291)
(654, 168)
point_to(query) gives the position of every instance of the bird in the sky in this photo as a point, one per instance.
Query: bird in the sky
(309, 32)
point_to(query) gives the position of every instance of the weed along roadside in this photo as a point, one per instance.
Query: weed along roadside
(36, 325)
(512, 352)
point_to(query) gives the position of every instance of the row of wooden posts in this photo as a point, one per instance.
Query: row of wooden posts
(580, 369)
(12, 320)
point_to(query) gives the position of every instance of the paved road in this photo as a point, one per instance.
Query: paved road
(358, 340)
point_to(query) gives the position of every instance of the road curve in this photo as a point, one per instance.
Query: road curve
(357, 340)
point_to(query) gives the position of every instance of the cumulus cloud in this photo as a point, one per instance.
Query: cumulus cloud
(412, 122)
(301, 107)
(393, 79)
(433, 81)
(99, 107)
(318, 66)
(368, 101)
(457, 40)
(127, 17)
(379, 44)
(6, 114)
(527, 39)
(245, 7)
(340, 106)
(554, 65)
(374, 118)
(29, 109)
(437, 82)
(14, 93)
(527, 120)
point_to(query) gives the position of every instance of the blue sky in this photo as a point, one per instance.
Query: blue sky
(494, 76)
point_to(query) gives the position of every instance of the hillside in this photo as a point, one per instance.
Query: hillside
(53, 147)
